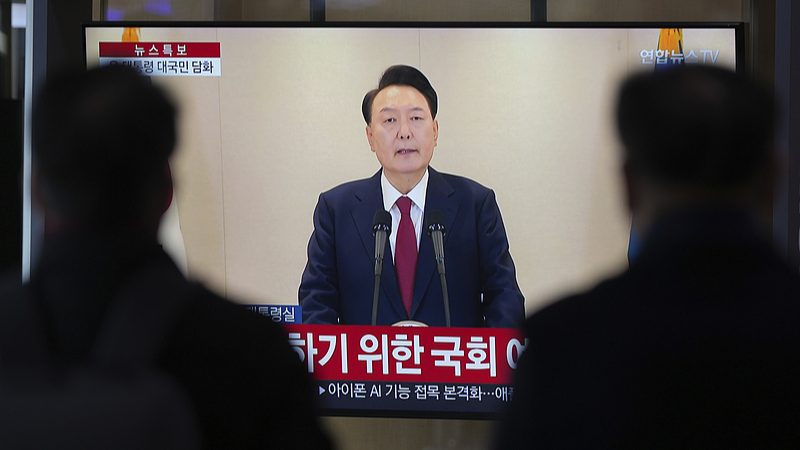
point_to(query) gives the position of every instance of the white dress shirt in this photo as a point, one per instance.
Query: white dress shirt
(417, 196)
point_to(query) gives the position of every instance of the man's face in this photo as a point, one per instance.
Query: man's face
(402, 132)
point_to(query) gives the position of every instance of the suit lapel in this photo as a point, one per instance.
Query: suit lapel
(438, 196)
(367, 202)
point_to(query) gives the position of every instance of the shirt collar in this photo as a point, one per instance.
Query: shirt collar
(417, 194)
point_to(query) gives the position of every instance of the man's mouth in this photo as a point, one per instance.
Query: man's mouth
(405, 151)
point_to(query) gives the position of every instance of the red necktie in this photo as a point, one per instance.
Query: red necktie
(405, 253)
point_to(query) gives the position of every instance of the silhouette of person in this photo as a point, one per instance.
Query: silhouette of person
(696, 344)
(101, 141)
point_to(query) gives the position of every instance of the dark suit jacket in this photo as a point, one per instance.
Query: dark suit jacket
(245, 382)
(338, 280)
(696, 346)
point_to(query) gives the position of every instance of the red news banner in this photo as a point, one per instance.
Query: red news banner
(164, 58)
(468, 370)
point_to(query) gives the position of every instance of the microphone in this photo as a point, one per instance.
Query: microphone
(434, 225)
(381, 228)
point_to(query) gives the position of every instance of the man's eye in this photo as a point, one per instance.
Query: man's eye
(417, 118)
(390, 120)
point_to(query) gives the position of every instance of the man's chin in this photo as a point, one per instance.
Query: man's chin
(406, 170)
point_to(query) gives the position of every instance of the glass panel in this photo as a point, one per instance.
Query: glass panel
(640, 11)
(157, 10)
(428, 11)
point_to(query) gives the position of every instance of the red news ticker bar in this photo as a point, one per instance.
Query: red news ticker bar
(471, 353)
(144, 50)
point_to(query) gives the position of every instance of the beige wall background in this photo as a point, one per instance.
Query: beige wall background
(524, 111)
(369, 433)
(500, 123)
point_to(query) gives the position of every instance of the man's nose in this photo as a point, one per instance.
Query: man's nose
(405, 131)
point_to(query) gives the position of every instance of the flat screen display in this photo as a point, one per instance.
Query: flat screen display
(270, 117)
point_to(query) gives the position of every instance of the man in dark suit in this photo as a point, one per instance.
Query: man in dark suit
(337, 284)
(101, 143)
(697, 344)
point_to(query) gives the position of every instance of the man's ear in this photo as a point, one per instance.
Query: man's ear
(435, 132)
(167, 188)
(54, 221)
(369, 139)
(158, 201)
(632, 194)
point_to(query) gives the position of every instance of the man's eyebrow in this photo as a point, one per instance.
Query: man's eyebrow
(392, 109)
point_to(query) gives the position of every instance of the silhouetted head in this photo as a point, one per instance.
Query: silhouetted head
(696, 134)
(100, 145)
(696, 125)
(401, 75)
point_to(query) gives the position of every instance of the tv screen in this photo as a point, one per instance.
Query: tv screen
(270, 117)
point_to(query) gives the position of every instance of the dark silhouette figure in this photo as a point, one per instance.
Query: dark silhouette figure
(100, 148)
(697, 344)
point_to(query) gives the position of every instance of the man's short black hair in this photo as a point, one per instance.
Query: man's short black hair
(697, 125)
(101, 139)
(401, 75)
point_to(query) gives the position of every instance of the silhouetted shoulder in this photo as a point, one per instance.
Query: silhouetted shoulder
(242, 374)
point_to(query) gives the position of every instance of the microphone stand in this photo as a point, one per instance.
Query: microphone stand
(445, 299)
(376, 292)
(436, 231)
(381, 227)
